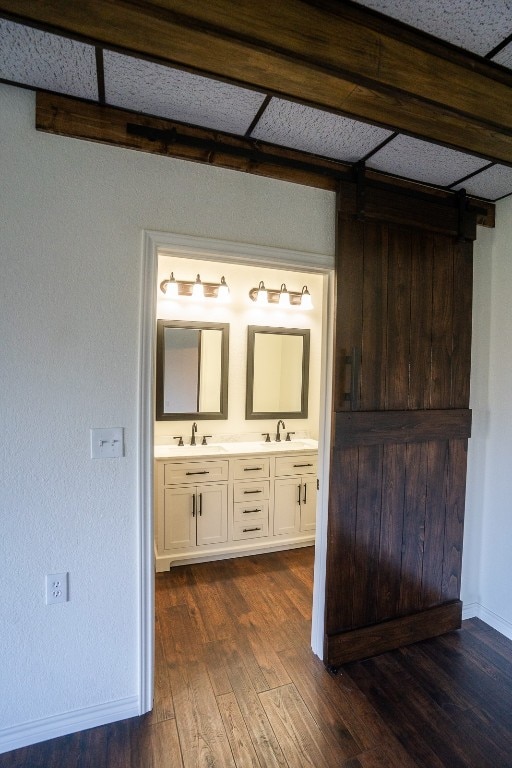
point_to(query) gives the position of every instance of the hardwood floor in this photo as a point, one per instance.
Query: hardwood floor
(237, 686)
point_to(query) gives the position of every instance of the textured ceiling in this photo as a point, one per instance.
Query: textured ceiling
(38, 59)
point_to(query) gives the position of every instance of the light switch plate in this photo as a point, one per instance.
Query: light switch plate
(107, 443)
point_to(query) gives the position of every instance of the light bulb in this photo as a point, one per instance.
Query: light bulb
(223, 292)
(172, 288)
(262, 295)
(284, 296)
(197, 289)
(305, 300)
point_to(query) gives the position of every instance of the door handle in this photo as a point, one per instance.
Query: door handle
(305, 493)
(200, 504)
(299, 489)
(193, 505)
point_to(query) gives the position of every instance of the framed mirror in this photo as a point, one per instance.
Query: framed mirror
(277, 372)
(191, 370)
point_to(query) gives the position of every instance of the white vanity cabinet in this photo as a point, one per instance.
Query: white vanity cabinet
(295, 495)
(192, 505)
(242, 503)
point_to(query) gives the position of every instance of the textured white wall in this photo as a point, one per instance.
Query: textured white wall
(72, 214)
(496, 557)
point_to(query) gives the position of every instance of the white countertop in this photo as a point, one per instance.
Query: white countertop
(234, 449)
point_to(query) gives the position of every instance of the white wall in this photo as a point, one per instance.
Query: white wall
(479, 403)
(241, 312)
(72, 216)
(496, 555)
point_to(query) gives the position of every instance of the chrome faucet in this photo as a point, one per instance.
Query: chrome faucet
(194, 430)
(283, 425)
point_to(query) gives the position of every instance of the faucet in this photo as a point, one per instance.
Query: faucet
(194, 430)
(283, 425)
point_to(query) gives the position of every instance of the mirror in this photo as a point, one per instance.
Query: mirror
(277, 372)
(191, 370)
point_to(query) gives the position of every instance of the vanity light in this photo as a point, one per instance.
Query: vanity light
(284, 296)
(305, 299)
(174, 289)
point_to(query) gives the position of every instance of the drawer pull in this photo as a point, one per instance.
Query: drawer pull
(252, 469)
(201, 472)
(248, 511)
(249, 530)
(302, 465)
(258, 491)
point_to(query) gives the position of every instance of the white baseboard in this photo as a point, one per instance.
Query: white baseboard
(60, 725)
(475, 610)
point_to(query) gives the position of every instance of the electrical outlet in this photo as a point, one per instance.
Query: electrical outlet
(57, 588)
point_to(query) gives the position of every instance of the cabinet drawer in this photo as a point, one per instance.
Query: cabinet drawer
(252, 491)
(245, 469)
(195, 471)
(250, 530)
(296, 465)
(247, 511)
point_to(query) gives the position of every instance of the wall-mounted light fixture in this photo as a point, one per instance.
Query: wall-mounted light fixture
(174, 289)
(283, 297)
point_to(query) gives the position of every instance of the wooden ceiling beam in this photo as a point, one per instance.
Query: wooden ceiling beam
(331, 55)
(66, 116)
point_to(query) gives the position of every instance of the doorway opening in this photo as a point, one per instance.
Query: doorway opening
(189, 253)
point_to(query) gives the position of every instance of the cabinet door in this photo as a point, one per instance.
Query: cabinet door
(179, 522)
(212, 513)
(286, 506)
(308, 505)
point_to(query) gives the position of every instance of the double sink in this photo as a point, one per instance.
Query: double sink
(233, 448)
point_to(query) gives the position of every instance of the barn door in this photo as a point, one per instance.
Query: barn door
(401, 422)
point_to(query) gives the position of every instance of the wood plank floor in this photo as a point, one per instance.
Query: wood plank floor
(237, 686)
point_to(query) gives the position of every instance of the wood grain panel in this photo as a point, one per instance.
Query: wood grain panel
(386, 201)
(341, 534)
(381, 427)
(374, 311)
(370, 641)
(364, 597)
(391, 530)
(349, 304)
(442, 323)
(454, 529)
(420, 321)
(435, 518)
(396, 369)
(463, 300)
(410, 599)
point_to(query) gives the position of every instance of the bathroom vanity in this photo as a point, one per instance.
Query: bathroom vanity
(233, 499)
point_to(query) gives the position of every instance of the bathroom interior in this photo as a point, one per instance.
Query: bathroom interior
(238, 401)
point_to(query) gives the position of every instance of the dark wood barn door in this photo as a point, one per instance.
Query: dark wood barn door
(401, 421)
